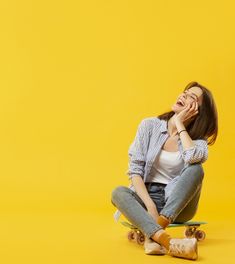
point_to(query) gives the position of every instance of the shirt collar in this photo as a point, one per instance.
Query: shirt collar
(163, 127)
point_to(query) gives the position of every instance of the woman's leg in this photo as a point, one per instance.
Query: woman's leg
(130, 204)
(134, 209)
(190, 210)
(178, 207)
(186, 190)
(185, 195)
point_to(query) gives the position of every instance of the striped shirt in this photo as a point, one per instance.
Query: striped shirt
(151, 135)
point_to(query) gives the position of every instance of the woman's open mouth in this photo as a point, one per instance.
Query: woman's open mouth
(179, 103)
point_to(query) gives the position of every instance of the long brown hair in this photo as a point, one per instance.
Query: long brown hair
(205, 123)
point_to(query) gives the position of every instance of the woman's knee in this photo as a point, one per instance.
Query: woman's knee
(118, 192)
(197, 170)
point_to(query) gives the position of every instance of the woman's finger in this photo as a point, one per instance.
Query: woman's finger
(196, 107)
(193, 107)
(195, 113)
(189, 108)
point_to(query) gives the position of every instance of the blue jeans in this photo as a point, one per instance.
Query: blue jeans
(180, 206)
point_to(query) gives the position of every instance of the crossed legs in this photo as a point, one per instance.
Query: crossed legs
(180, 206)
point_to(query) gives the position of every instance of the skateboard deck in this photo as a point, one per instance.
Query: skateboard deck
(190, 231)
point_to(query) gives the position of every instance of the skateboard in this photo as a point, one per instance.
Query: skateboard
(191, 230)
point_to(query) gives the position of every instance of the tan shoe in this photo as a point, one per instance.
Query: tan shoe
(153, 248)
(183, 248)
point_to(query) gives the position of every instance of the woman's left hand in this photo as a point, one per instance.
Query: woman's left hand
(188, 112)
(152, 210)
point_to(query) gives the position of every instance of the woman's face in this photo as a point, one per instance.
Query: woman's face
(193, 94)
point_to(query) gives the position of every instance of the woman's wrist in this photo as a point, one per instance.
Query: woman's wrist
(150, 204)
(181, 131)
(179, 126)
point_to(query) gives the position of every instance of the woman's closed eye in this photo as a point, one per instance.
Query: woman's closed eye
(194, 98)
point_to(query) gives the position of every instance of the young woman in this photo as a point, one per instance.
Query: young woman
(166, 173)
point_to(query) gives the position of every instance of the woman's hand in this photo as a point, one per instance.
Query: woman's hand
(187, 113)
(152, 210)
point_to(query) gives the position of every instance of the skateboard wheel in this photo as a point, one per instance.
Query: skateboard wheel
(140, 239)
(188, 233)
(131, 235)
(200, 235)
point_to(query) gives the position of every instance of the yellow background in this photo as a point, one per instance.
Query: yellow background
(76, 79)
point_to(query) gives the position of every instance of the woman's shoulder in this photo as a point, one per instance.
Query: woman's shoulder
(150, 123)
(151, 120)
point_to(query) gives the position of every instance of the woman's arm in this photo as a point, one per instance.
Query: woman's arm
(193, 150)
(141, 190)
(137, 159)
(138, 149)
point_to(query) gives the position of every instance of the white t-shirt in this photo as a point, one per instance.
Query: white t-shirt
(166, 167)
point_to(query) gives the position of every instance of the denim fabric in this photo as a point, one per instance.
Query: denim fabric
(157, 193)
(180, 206)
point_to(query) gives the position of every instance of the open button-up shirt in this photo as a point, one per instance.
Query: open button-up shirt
(151, 135)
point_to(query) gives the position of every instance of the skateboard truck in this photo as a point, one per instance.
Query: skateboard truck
(191, 231)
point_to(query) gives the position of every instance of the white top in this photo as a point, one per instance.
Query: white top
(166, 167)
